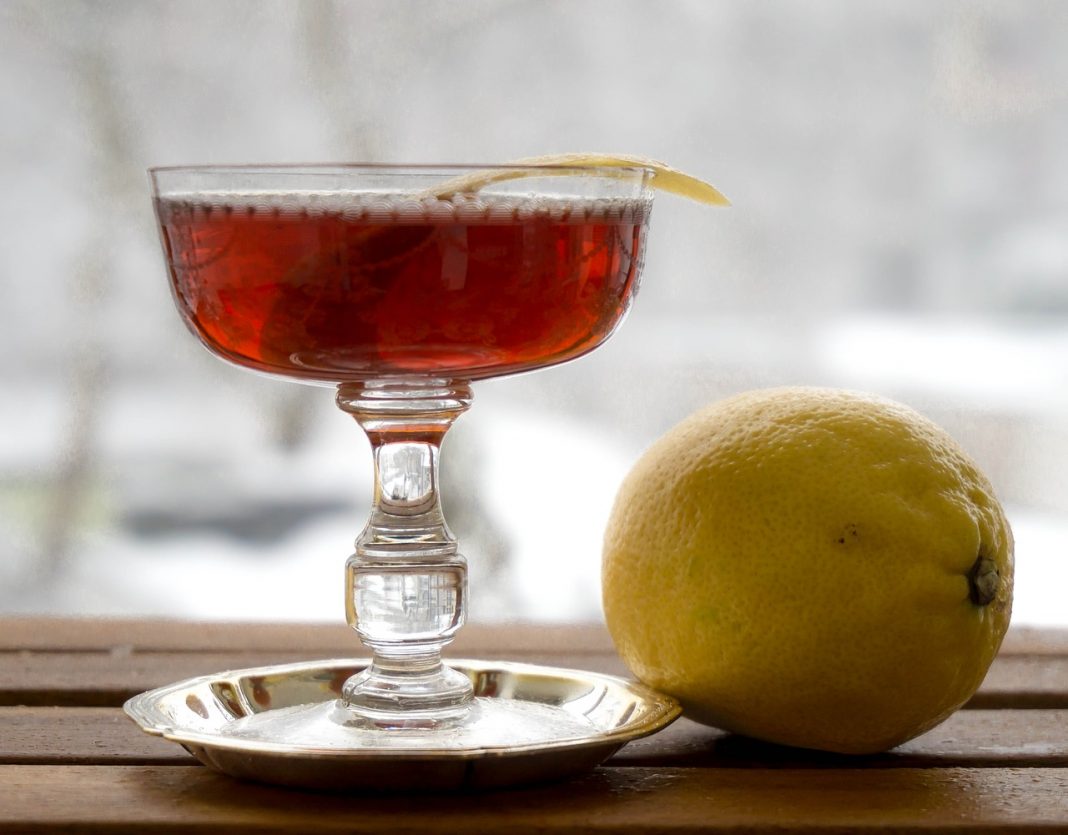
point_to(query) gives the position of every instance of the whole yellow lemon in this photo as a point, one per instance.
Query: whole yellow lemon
(808, 566)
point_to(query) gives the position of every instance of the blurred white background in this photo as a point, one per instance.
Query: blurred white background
(900, 225)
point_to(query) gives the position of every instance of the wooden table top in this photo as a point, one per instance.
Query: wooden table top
(71, 761)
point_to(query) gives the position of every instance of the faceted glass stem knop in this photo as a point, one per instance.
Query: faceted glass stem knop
(406, 584)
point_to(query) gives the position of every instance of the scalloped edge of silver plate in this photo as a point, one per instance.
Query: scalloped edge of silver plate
(195, 713)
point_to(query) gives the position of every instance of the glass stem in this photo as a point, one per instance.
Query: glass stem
(406, 585)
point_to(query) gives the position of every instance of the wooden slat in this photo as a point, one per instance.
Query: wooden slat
(135, 798)
(81, 736)
(1030, 640)
(100, 679)
(974, 738)
(1022, 681)
(90, 769)
(102, 635)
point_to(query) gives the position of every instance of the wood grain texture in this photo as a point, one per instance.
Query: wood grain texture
(107, 679)
(1031, 640)
(634, 800)
(1024, 682)
(81, 736)
(974, 738)
(103, 634)
(999, 767)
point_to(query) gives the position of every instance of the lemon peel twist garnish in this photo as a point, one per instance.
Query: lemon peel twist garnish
(665, 178)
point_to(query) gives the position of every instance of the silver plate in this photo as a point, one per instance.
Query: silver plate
(202, 714)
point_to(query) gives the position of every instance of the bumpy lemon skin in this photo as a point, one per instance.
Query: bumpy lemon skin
(792, 564)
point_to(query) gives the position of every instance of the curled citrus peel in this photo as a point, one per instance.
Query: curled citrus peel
(665, 178)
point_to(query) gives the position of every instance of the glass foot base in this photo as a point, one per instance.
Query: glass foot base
(437, 698)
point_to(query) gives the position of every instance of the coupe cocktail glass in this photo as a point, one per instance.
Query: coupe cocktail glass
(401, 285)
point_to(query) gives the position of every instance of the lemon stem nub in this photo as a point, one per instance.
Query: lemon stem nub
(983, 580)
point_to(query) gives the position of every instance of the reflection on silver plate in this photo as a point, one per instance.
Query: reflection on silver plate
(280, 725)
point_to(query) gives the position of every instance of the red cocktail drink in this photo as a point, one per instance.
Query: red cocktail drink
(355, 287)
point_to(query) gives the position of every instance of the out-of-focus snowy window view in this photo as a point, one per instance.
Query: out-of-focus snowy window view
(899, 177)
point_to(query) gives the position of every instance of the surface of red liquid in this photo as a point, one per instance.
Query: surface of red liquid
(459, 289)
